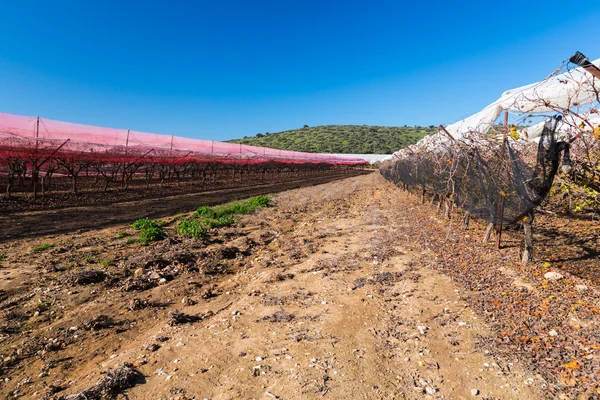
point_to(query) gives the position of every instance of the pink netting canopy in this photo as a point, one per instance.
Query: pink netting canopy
(34, 137)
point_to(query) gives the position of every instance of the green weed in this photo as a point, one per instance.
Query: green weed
(2, 256)
(192, 227)
(104, 262)
(237, 207)
(145, 223)
(89, 258)
(151, 234)
(123, 234)
(225, 220)
(42, 247)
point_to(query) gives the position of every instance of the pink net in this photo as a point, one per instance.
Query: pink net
(36, 137)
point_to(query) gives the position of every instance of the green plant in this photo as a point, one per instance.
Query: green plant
(131, 241)
(145, 223)
(89, 258)
(123, 234)
(2, 256)
(42, 247)
(151, 234)
(41, 306)
(259, 201)
(225, 220)
(192, 227)
(104, 262)
(205, 211)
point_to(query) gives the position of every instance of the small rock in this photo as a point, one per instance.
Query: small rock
(73, 328)
(553, 276)
(154, 275)
(258, 358)
(422, 329)
(430, 390)
(462, 323)
(581, 288)
(553, 333)
(139, 272)
(474, 392)
(162, 281)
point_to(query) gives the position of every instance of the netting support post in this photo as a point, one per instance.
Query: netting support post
(528, 232)
(35, 168)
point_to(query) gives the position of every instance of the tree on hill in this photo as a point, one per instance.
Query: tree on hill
(351, 139)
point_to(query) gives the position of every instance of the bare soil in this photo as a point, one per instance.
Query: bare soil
(116, 208)
(337, 291)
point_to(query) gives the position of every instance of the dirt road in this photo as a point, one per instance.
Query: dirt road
(327, 298)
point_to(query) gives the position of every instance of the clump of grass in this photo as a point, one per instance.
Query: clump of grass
(151, 234)
(150, 230)
(131, 241)
(225, 220)
(89, 258)
(204, 211)
(259, 201)
(105, 262)
(192, 228)
(219, 216)
(42, 247)
(235, 207)
(2, 256)
(145, 223)
(123, 234)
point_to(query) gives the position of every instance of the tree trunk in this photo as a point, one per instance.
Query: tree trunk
(488, 232)
(466, 219)
(528, 231)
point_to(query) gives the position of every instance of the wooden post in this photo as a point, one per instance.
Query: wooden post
(528, 231)
(499, 228)
(35, 168)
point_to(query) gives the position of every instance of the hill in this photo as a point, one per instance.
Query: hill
(349, 139)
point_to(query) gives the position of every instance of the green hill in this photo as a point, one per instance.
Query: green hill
(350, 139)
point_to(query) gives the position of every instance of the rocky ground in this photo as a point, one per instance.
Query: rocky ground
(350, 289)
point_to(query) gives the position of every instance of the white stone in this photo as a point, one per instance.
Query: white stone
(553, 276)
(474, 392)
(553, 333)
(430, 390)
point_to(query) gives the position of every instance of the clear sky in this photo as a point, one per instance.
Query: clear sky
(222, 69)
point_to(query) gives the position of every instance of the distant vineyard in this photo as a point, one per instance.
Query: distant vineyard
(39, 155)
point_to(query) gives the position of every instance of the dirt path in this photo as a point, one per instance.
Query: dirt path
(17, 225)
(322, 296)
(357, 319)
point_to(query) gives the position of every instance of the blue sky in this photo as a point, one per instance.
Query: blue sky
(224, 69)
